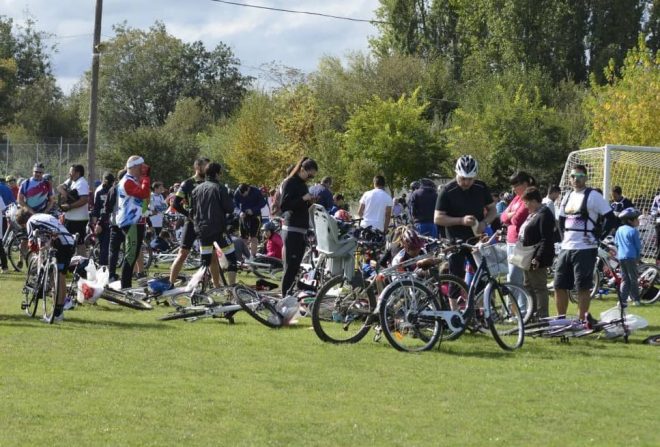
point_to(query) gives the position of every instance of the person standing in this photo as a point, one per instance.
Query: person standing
(539, 229)
(11, 183)
(549, 200)
(619, 203)
(248, 200)
(376, 206)
(133, 193)
(579, 213)
(157, 207)
(102, 231)
(322, 193)
(295, 203)
(75, 198)
(655, 215)
(629, 251)
(422, 207)
(181, 205)
(35, 193)
(513, 217)
(464, 207)
(210, 203)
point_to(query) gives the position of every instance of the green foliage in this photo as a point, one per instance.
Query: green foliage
(626, 109)
(170, 156)
(145, 73)
(507, 122)
(391, 138)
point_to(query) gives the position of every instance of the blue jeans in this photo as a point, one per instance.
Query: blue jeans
(516, 276)
(629, 286)
(427, 229)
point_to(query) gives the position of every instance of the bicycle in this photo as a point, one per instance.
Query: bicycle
(413, 318)
(12, 240)
(42, 281)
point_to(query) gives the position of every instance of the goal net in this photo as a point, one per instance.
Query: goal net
(636, 169)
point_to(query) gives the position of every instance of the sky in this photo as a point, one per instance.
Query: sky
(255, 36)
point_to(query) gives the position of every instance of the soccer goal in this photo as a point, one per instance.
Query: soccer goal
(636, 169)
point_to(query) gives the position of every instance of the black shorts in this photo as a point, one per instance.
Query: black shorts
(77, 226)
(249, 226)
(188, 235)
(225, 244)
(64, 255)
(574, 269)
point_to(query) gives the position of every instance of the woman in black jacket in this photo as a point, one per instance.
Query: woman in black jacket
(539, 229)
(295, 204)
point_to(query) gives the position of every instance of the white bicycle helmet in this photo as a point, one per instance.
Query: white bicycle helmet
(467, 166)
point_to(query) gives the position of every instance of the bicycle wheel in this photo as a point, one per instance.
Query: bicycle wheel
(449, 288)
(268, 268)
(32, 289)
(597, 279)
(343, 312)
(503, 315)
(50, 287)
(260, 308)
(185, 312)
(649, 283)
(13, 250)
(402, 318)
(125, 299)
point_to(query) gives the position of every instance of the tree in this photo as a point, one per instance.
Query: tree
(507, 122)
(145, 73)
(626, 109)
(391, 138)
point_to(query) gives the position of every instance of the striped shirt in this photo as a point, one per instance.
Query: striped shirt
(45, 223)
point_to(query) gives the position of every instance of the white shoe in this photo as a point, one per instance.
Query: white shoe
(69, 303)
(59, 319)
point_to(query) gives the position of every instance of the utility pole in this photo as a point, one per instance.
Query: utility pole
(93, 102)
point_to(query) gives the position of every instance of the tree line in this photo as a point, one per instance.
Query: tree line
(518, 84)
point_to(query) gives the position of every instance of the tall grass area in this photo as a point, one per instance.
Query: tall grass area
(114, 376)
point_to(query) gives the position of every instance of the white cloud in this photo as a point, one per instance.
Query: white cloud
(256, 36)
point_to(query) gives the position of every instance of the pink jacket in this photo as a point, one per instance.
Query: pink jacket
(520, 213)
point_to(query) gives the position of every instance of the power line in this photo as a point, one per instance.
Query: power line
(292, 11)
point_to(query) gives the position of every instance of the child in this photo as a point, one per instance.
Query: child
(629, 248)
(273, 241)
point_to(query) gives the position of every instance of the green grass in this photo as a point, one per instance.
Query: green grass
(113, 376)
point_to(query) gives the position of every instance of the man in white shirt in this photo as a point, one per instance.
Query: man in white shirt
(376, 206)
(579, 247)
(553, 194)
(75, 197)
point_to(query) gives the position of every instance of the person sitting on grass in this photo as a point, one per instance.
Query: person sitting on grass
(273, 240)
(63, 242)
(629, 250)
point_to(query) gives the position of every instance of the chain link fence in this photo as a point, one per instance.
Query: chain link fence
(18, 159)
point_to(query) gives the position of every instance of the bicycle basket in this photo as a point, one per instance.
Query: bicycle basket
(495, 256)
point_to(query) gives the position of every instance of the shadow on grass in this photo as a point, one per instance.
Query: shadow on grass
(24, 320)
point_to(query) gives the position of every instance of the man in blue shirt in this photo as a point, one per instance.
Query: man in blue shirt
(6, 194)
(248, 202)
(322, 193)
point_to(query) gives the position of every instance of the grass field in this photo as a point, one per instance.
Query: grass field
(113, 376)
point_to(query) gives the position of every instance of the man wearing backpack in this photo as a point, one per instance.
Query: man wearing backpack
(580, 215)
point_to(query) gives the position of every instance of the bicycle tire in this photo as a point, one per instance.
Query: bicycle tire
(459, 293)
(400, 315)
(650, 292)
(503, 315)
(259, 308)
(31, 289)
(184, 312)
(125, 300)
(272, 273)
(13, 250)
(653, 340)
(50, 287)
(338, 306)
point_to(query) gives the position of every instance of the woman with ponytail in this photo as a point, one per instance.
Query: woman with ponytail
(513, 217)
(294, 203)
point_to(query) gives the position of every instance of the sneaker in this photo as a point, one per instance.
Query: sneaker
(59, 318)
(637, 303)
(69, 303)
(591, 321)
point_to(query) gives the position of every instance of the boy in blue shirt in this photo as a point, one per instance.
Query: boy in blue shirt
(629, 250)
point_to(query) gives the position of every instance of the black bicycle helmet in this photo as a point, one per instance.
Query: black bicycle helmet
(269, 226)
(629, 214)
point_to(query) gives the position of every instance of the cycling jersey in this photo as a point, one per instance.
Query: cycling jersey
(182, 198)
(36, 193)
(132, 200)
(48, 224)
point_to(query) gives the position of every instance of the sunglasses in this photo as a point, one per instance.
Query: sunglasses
(38, 172)
(578, 175)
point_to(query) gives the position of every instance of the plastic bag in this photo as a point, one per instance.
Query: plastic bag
(90, 271)
(196, 279)
(222, 259)
(89, 291)
(288, 308)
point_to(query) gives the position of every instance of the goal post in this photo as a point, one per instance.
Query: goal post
(636, 169)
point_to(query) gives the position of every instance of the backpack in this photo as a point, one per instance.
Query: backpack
(584, 215)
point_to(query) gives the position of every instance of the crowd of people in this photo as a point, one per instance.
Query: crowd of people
(126, 206)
